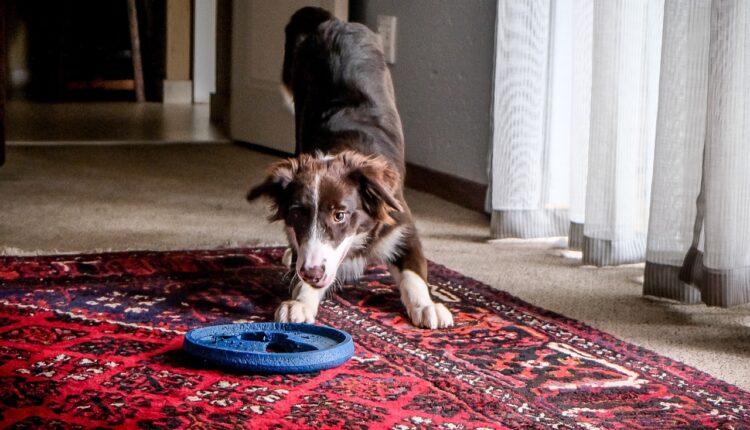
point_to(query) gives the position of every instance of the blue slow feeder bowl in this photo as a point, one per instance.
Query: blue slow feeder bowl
(270, 347)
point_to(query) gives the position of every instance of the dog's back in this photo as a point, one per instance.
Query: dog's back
(303, 23)
(341, 198)
(342, 89)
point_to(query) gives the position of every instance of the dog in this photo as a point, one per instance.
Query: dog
(341, 197)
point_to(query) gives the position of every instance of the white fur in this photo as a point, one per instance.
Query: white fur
(352, 268)
(306, 298)
(359, 241)
(415, 295)
(319, 252)
(324, 156)
(303, 308)
(388, 246)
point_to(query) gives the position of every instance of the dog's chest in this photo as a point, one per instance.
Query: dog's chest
(384, 250)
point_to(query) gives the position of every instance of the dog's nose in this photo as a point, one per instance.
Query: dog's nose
(312, 275)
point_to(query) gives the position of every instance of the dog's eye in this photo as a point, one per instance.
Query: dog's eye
(295, 213)
(339, 216)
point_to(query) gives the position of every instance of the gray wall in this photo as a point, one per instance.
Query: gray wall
(443, 79)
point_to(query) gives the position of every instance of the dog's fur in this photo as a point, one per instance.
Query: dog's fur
(341, 199)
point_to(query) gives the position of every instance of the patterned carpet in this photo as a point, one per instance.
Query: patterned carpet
(94, 341)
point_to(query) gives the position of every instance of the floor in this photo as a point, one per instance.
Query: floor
(110, 122)
(87, 198)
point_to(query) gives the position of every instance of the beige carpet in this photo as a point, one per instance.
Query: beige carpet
(91, 198)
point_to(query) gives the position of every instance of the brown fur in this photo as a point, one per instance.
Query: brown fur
(345, 106)
(341, 198)
(376, 179)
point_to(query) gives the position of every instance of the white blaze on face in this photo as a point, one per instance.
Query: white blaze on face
(317, 250)
(316, 253)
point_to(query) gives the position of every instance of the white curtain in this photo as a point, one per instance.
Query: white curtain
(679, 153)
(624, 97)
(700, 222)
(526, 198)
(622, 123)
(581, 42)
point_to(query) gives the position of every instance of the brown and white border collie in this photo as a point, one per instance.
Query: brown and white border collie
(341, 198)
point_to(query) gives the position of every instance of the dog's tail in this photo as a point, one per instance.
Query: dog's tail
(301, 24)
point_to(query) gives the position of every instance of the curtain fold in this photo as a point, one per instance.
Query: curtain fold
(678, 158)
(624, 101)
(718, 261)
(525, 196)
(700, 223)
(581, 42)
(623, 123)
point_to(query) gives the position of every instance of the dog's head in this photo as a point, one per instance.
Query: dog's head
(329, 204)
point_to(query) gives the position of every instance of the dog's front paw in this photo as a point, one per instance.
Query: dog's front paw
(432, 316)
(295, 311)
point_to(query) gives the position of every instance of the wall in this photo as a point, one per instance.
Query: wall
(204, 50)
(443, 79)
(178, 87)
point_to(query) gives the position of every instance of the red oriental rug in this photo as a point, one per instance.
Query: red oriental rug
(94, 341)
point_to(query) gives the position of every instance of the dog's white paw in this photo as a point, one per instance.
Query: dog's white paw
(432, 316)
(295, 311)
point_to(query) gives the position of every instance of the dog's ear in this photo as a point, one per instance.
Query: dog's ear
(280, 175)
(378, 183)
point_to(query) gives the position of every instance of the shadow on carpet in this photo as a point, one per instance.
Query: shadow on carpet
(94, 341)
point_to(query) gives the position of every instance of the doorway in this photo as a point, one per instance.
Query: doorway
(71, 74)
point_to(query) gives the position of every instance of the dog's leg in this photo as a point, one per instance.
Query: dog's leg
(304, 304)
(410, 272)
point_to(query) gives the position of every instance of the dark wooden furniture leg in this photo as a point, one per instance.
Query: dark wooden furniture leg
(135, 47)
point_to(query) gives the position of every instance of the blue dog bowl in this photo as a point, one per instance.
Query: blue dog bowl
(270, 347)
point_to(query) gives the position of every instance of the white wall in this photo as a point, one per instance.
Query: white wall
(443, 79)
(204, 50)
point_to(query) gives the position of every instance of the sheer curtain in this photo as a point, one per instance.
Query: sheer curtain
(679, 153)
(526, 198)
(700, 223)
(622, 124)
(624, 97)
(581, 42)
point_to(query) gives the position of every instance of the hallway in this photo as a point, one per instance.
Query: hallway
(110, 122)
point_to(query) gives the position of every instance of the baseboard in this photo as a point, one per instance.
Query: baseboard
(176, 91)
(262, 149)
(460, 191)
